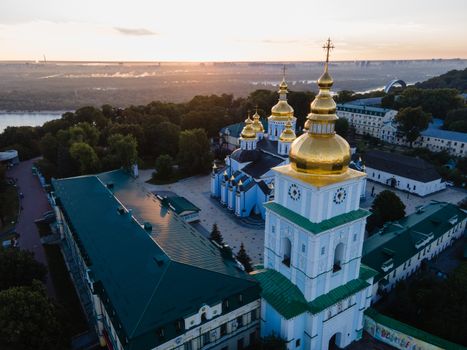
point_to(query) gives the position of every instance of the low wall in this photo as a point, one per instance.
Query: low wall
(403, 336)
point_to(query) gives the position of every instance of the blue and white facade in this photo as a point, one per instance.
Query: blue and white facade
(316, 263)
(245, 182)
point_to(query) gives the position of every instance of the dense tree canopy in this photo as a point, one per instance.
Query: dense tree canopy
(437, 102)
(19, 268)
(194, 152)
(411, 122)
(456, 120)
(454, 79)
(163, 167)
(435, 306)
(28, 320)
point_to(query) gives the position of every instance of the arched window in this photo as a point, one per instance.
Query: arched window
(287, 251)
(338, 256)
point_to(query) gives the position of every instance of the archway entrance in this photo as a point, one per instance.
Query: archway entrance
(335, 339)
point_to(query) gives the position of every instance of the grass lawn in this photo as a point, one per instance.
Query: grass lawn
(66, 294)
(10, 196)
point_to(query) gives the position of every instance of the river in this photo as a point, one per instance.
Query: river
(26, 118)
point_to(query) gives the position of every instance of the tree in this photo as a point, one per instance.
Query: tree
(411, 121)
(342, 127)
(28, 320)
(456, 120)
(244, 259)
(84, 132)
(124, 148)
(216, 235)
(164, 166)
(194, 152)
(85, 155)
(49, 147)
(19, 268)
(162, 138)
(387, 206)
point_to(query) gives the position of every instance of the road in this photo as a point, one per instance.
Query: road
(34, 204)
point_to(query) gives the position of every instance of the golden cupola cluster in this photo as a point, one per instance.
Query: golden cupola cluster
(257, 125)
(288, 134)
(248, 132)
(282, 111)
(319, 150)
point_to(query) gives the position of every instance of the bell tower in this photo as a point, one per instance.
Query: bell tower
(314, 233)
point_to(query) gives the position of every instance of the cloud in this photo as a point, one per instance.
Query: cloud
(134, 31)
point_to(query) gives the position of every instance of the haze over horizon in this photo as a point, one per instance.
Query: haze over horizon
(209, 30)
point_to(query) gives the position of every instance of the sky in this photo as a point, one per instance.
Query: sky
(240, 30)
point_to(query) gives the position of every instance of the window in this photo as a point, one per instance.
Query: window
(286, 251)
(206, 338)
(203, 317)
(223, 329)
(323, 250)
(179, 326)
(240, 298)
(273, 229)
(253, 315)
(303, 248)
(161, 333)
(297, 343)
(354, 237)
(240, 344)
(239, 321)
(226, 304)
(338, 256)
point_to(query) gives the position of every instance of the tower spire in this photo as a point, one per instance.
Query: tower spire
(328, 46)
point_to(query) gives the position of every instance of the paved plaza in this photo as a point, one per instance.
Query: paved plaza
(197, 190)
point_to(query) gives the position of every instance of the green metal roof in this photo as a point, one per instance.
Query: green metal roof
(366, 272)
(287, 299)
(316, 227)
(333, 296)
(146, 279)
(280, 293)
(179, 204)
(398, 240)
(411, 331)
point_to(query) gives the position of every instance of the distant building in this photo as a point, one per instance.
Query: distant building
(182, 206)
(380, 123)
(147, 279)
(436, 139)
(398, 250)
(366, 119)
(405, 173)
(9, 157)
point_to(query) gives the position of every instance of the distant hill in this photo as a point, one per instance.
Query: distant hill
(454, 79)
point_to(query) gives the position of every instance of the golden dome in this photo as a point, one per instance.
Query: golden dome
(248, 132)
(288, 134)
(257, 125)
(320, 150)
(282, 110)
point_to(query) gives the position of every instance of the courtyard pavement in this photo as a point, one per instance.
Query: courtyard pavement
(197, 190)
(411, 201)
(33, 204)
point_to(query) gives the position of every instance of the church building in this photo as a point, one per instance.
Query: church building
(246, 180)
(314, 287)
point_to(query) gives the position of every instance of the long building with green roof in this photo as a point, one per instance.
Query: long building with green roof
(399, 248)
(150, 280)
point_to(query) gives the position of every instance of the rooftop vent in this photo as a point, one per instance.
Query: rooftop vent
(159, 259)
(121, 210)
(147, 226)
(110, 185)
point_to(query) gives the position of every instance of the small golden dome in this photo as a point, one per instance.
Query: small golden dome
(288, 134)
(282, 110)
(320, 150)
(257, 125)
(248, 132)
